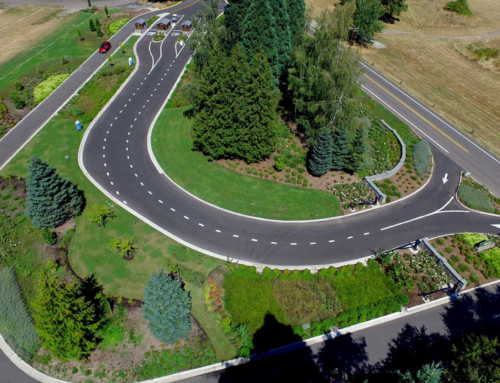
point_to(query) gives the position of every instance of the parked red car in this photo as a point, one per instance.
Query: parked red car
(105, 46)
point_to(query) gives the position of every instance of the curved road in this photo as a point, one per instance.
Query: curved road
(116, 157)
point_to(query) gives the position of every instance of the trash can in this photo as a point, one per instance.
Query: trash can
(78, 125)
(130, 61)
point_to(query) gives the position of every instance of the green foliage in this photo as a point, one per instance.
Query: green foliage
(393, 8)
(460, 7)
(116, 25)
(297, 15)
(166, 308)
(67, 316)
(18, 99)
(235, 108)
(51, 199)
(475, 199)
(234, 15)
(320, 161)
(46, 87)
(492, 262)
(16, 324)
(106, 11)
(152, 20)
(112, 332)
(483, 52)
(421, 157)
(366, 18)
(125, 247)
(92, 25)
(340, 149)
(99, 214)
(279, 164)
(354, 159)
(429, 373)
(474, 358)
(258, 35)
(49, 237)
(284, 37)
(323, 76)
(473, 239)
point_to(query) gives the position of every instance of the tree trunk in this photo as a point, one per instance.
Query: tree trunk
(128, 256)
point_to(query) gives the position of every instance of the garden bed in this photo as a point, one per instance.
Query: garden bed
(475, 196)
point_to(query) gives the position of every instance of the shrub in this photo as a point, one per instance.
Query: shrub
(112, 332)
(474, 279)
(279, 164)
(116, 25)
(463, 268)
(16, 324)
(473, 238)
(421, 157)
(491, 260)
(45, 88)
(17, 99)
(460, 7)
(475, 199)
(48, 236)
(440, 241)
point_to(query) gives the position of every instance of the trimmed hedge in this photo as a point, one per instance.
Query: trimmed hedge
(45, 88)
(421, 157)
(475, 199)
(16, 324)
(473, 238)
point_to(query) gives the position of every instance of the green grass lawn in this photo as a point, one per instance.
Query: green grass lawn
(89, 253)
(172, 146)
(47, 56)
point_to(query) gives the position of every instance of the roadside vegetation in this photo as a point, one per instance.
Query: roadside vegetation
(474, 195)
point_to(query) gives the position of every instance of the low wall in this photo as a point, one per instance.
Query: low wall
(370, 180)
(450, 271)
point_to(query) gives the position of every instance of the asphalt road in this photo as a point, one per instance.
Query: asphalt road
(405, 343)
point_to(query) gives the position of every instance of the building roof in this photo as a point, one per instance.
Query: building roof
(140, 21)
(186, 23)
(164, 21)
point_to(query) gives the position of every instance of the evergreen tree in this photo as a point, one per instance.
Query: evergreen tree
(340, 148)
(324, 76)
(258, 35)
(283, 34)
(91, 25)
(297, 14)
(97, 24)
(106, 11)
(358, 148)
(234, 15)
(320, 161)
(256, 130)
(166, 308)
(66, 318)
(429, 373)
(366, 18)
(52, 200)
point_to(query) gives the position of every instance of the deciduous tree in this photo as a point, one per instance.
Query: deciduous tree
(99, 214)
(393, 8)
(166, 308)
(125, 247)
(366, 19)
(52, 200)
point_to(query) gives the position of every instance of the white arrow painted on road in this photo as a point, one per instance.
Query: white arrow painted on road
(497, 226)
(445, 178)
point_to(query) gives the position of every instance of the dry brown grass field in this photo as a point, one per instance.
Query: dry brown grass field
(23, 27)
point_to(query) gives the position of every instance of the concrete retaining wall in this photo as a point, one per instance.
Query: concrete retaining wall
(370, 180)
(450, 271)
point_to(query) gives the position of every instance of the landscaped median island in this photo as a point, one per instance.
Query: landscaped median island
(475, 196)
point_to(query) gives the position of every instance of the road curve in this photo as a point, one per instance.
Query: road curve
(115, 156)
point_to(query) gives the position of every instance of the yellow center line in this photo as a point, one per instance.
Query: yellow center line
(418, 114)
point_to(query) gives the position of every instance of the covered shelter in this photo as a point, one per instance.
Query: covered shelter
(140, 24)
(186, 26)
(163, 24)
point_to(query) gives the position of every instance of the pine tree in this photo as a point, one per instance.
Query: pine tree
(258, 35)
(66, 318)
(297, 14)
(340, 148)
(91, 25)
(358, 148)
(320, 161)
(283, 34)
(52, 200)
(256, 130)
(166, 308)
(106, 10)
(234, 15)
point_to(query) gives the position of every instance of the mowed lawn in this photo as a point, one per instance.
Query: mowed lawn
(172, 145)
(89, 253)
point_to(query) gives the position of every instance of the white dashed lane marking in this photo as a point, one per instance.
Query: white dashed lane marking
(366, 234)
(172, 209)
(351, 237)
(312, 243)
(110, 124)
(293, 244)
(121, 111)
(186, 217)
(103, 148)
(160, 201)
(217, 230)
(111, 183)
(116, 118)
(236, 236)
(136, 175)
(142, 184)
(149, 192)
(131, 166)
(103, 156)
(254, 240)
(200, 224)
(125, 202)
(117, 192)
(274, 243)
(105, 164)
(107, 174)
(331, 240)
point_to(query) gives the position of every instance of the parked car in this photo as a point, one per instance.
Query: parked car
(105, 47)
(175, 18)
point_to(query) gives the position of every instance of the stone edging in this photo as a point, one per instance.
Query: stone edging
(370, 179)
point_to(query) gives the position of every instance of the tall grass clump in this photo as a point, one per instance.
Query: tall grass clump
(45, 88)
(421, 157)
(460, 7)
(475, 199)
(16, 324)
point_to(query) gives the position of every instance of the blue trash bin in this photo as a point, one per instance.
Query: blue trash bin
(78, 125)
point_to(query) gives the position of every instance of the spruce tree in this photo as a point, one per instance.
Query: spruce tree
(52, 200)
(297, 14)
(258, 35)
(340, 148)
(256, 126)
(166, 308)
(320, 161)
(358, 148)
(66, 318)
(283, 34)
(234, 15)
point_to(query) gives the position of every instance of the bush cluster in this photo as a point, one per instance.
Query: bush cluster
(16, 324)
(45, 88)
(116, 25)
(491, 259)
(460, 7)
(421, 157)
(475, 198)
